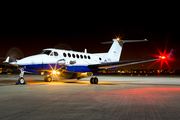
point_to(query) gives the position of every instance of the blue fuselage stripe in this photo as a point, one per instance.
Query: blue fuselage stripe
(78, 68)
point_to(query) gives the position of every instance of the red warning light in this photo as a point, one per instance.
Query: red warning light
(162, 57)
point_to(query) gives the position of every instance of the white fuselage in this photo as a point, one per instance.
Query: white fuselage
(72, 61)
(49, 58)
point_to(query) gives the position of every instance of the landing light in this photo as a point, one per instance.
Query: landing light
(53, 72)
(42, 73)
(117, 39)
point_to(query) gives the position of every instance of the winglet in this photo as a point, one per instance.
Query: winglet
(7, 60)
(170, 54)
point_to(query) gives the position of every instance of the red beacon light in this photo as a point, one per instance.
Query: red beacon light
(162, 57)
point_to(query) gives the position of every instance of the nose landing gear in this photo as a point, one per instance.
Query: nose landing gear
(21, 80)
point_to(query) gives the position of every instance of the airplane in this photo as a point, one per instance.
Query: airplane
(68, 64)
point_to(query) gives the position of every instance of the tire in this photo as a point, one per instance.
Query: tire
(95, 80)
(21, 80)
(92, 80)
(48, 79)
(45, 79)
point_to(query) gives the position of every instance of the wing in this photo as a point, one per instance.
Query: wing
(96, 67)
(120, 63)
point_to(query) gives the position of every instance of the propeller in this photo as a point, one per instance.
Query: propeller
(14, 54)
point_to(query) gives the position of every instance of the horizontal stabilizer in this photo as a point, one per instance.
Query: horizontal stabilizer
(107, 42)
(123, 41)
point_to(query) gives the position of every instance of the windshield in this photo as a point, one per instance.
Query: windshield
(47, 52)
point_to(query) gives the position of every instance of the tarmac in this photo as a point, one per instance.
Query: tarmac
(114, 98)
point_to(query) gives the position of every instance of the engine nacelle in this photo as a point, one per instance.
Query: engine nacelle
(71, 75)
(82, 75)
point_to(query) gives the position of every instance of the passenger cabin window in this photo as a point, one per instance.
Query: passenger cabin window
(77, 55)
(73, 55)
(81, 56)
(55, 54)
(85, 57)
(64, 54)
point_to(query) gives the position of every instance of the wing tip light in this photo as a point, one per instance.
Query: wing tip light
(167, 56)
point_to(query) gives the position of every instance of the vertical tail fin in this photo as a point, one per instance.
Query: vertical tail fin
(114, 52)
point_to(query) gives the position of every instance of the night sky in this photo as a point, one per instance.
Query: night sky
(33, 31)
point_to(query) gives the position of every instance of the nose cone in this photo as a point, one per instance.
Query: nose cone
(31, 62)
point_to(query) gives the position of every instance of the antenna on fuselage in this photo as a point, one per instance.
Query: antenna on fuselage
(85, 50)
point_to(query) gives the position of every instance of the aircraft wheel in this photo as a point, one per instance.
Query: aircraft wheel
(95, 80)
(48, 79)
(21, 80)
(92, 80)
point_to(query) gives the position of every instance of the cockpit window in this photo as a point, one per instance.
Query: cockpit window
(47, 52)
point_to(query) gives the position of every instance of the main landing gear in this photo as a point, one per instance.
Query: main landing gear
(94, 80)
(21, 80)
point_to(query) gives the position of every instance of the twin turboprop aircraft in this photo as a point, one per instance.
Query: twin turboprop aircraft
(74, 65)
